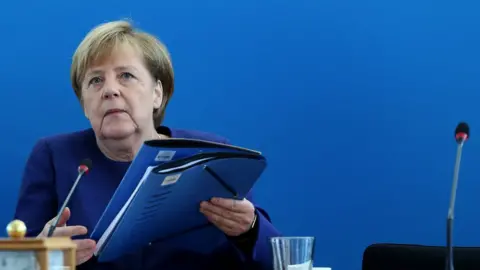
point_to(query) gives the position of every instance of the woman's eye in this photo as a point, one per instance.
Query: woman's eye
(126, 75)
(95, 80)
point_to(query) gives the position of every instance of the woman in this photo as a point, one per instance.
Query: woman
(123, 79)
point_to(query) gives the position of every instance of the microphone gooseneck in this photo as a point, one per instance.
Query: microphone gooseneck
(83, 168)
(462, 134)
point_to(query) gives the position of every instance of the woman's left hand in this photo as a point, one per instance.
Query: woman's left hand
(233, 217)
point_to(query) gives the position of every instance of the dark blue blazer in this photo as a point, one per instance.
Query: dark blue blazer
(51, 170)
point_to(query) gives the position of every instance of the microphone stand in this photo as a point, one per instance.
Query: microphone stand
(451, 208)
(81, 172)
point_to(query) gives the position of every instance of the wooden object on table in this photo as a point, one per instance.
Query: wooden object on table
(24, 253)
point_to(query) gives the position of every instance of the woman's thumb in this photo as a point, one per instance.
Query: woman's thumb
(64, 216)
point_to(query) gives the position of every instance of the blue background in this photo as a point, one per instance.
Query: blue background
(353, 102)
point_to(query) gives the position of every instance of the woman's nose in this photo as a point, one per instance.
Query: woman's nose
(110, 91)
(110, 94)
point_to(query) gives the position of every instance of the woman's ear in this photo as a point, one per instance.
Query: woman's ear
(158, 95)
(85, 111)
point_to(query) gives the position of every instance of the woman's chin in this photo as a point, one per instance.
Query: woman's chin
(117, 133)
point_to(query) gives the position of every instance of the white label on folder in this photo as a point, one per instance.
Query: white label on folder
(164, 155)
(171, 179)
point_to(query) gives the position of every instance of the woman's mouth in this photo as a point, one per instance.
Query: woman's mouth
(114, 111)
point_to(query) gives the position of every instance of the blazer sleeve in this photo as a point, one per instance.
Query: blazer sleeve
(261, 256)
(37, 203)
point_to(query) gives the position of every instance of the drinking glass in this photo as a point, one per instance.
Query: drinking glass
(293, 253)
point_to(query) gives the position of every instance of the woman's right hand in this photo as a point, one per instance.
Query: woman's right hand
(85, 247)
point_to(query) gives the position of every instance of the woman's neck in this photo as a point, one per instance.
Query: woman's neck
(125, 150)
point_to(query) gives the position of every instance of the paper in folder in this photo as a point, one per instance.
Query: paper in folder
(158, 200)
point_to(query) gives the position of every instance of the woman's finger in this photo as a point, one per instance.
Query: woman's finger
(70, 231)
(83, 244)
(238, 206)
(64, 217)
(85, 250)
(220, 211)
(229, 227)
(243, 219)
(83, 256)
(219, 220)
(86, 253)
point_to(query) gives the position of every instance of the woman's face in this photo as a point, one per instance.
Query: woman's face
(119, 94)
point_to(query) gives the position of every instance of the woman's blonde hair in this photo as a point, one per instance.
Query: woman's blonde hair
(103, 39)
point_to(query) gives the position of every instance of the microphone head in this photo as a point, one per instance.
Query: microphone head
(462, 132)
(85, 166)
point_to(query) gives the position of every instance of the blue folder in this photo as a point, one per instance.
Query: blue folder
(167, 195)
(152, 153)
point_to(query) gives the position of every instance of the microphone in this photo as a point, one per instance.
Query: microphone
(462, 134)
(83, 168)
